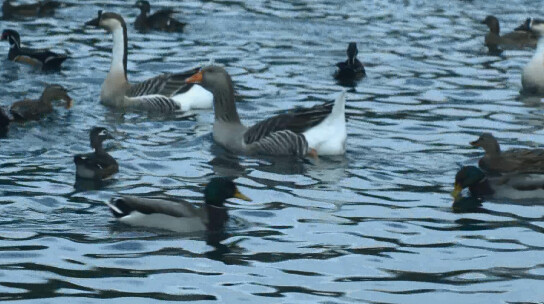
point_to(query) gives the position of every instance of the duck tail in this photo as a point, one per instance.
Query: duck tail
(116, 206)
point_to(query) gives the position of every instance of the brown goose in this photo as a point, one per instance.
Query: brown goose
(516, 39)
(317, 130)
(511, 161)
(38, 9)
(161, 20)
(35, 109)
(166, 92)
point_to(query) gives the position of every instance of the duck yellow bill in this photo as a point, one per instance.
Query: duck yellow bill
(457, 190)
(196, 78)
(239, 195)
(69, 103)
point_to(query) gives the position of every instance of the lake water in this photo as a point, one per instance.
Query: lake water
(373, 226)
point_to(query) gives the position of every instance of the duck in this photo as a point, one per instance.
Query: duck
(30, 109)
(161, 20)
(352, 69)
(167, 92)
(43, 59)
(518, 186)
(518, 160)
(179, 216)
(99, 164)
(532, 79)
(38, 9)
(319, 130)
(516, 39)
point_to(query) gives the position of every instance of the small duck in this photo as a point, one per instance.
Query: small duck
(29, 109)
(312, 131)
(180, 216)
(512, 161)
(532, 79)
(38, 9)
(510, 186)
(161, 20)
(99, 164)
(351, 69)
(166, 92)
(516, 39)
(40, 58)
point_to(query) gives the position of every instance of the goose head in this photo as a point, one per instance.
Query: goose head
(211, 78)
(220, 189)
(466, 177)
(12, 37)
(143, 5)
(108, 21)
(98, 135)
(56, 92)
(488, 142)
(532, 25)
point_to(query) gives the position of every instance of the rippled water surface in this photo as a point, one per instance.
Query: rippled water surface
(373, 226)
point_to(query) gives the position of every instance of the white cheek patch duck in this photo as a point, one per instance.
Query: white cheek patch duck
(99, 164)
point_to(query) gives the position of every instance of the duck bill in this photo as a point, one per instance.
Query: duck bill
(196, 78)
(475, 143)
(457, 191)
(239, 195)
(69, 101)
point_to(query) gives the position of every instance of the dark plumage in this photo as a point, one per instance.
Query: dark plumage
(38, 9)
(351, 69)
(517, 39)
(41, 58)
(98, 164)
(161, 20)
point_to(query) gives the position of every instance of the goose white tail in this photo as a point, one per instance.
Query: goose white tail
(196, 98)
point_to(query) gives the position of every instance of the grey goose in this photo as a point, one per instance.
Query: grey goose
(532, 78)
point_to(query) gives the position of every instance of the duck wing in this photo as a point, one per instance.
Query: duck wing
(168, 84)
(162, 20)
(48, 59)
(123, 206)
(102, 164)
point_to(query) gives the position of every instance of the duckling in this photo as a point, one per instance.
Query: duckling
(35, 109)
(98, 164)
(510, 186)
(40, 58)
(38, 9)
(351, 69)
(179, 216)
(512, 161)
(516, 39)
(161, 20)
(532, 79)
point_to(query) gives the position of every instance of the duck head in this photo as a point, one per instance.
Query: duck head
(12, 37)
(98, 135)
(488, 142)
(352, 52)
(493, 23)
(532, 25)
(220, 189)
(468, 176)
(56, 92)
(108, 21)
(143, 5)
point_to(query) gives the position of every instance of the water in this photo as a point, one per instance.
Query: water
(373, 226)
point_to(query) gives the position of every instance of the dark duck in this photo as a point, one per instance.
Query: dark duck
(38, 9)
(99, 164)
(41, 58)
(161, 20)
(351, 69)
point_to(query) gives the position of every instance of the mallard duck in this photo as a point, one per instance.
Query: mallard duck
(38, 9)
(351, 69)
(98, 164)
(41, 58)
(167, 92)
(179, 216)
(30, 109)
(317, 130)
(532, 78)
(515, 160)
(161, 20)
(516, 39)
(509, 186)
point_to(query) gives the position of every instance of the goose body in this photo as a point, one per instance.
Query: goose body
(352, 69)
(180, 216)
(517, 39)
(38, 9)
(166, 92)
(161, 20)
(98, 164)
(320, 129)
(40, 58)
(532, 79)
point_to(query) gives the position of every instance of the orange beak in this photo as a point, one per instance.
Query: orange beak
(69, 102)
(196, 78)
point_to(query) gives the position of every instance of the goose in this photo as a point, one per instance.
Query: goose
(41, 58)
(161, 20)
(98, 164)
(166, 92)
(38, 9)
(516, 39)
(509, 186)
(180, 216)
(515, 160)
(30, 109)
(320, 130)
(532, 79)
(351, 69)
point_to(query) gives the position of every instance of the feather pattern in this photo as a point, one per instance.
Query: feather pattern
(153, 102)
(283, 142)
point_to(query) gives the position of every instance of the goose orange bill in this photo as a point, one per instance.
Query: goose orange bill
(196, 78)
(238, 194)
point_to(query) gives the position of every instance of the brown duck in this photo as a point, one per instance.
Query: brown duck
(511, 161)
(38, 9)
(35, 109)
